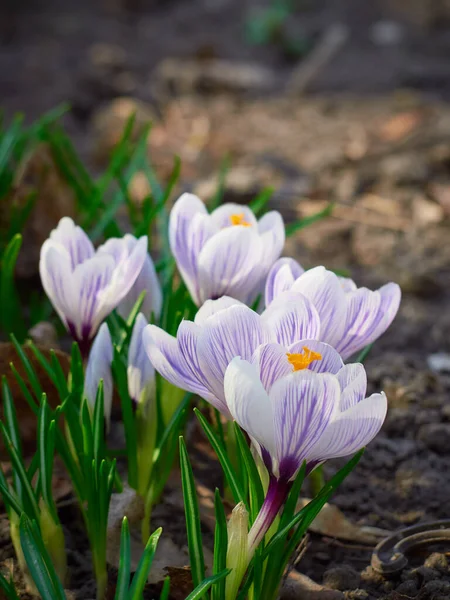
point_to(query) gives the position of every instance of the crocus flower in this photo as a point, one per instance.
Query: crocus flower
(226, 253)
(350, 317)
(196, 360)
(140, 373)
(299, 406)
(85, 285)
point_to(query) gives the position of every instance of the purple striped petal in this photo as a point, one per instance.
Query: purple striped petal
(249, 403)
(331, 362)
(164, 353)
(140, 370)
(324, 290)
(353, 381)
(230, 265)
(273, 236)
(347, 284)
(189, 229)
(74, 240)
(236, 331)
(57, 279)
(369, 314)
(147, 281)
(281, 278)
(272, 362)
(99, 367)
(221, 216)
(351, 430)
(211, 307)
(304, 405)
(92, 281)
(292, 317)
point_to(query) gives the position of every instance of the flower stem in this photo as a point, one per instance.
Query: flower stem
(274, 500)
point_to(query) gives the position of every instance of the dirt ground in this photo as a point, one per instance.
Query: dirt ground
(371, 133)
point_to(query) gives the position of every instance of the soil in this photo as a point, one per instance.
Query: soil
(379, 149)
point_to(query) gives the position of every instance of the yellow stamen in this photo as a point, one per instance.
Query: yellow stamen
(239, 219)
(304, 359)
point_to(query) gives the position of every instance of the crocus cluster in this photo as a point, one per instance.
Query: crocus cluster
(278, 371)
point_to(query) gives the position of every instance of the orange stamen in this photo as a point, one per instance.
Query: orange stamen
(304, 359)
(239, 219)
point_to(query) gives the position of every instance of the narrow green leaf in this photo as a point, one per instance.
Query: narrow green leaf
(143, 568)
(364, 353)
(192, 514)
(204, 586)
(8, 589)
(307, 221)
(38, 561)
(99, 424)
(19, 468)
(123, 577)
(165, 589)
(236, 489)
(260, 202)
(31, 374)
(10, 417)
(128, 418)
(254, 480)
(220, 547)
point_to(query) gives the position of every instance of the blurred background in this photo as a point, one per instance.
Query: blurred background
(340, 101)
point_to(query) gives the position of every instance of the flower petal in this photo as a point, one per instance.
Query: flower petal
(74, 240)
(322, 287)
(352, 429)
(211, 307)
(281, 277)
(140, 370)
(230, 265)
(189, 229)
(99, 367)
(57, 281)
(272, 363)
(167, 358)
(273, 236)
(147, 281)
(331, 362)
(249, 403)
(290, 318)
(235, 331)
(221, 216)
(94, 302)
(369, 314)
(304, 404)
(353, 382)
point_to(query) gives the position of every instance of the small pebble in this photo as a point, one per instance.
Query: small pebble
(439, 362)
(407, 588)
(437, 561)
(436, 436)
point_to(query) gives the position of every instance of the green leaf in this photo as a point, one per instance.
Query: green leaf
(307, 221)
(204, 586)
(260, 202)
(31, 374)
(165, 589)
(46, 451)
(233, 482)
(10, 417)
(128, 418)
(364, 353)
(9, 316)
(38, 561)
(254, 480)
(220, 547)
(194, 534)
(27, 493)
(123, 577)
(8, 589)
(143, 568)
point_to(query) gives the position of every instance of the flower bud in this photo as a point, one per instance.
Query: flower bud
(237, 551)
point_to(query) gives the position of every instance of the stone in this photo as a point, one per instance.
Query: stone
(342, 578)
(436, 436)
(407, 588)
(44, 333)
(437, 561)
(439, 362)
